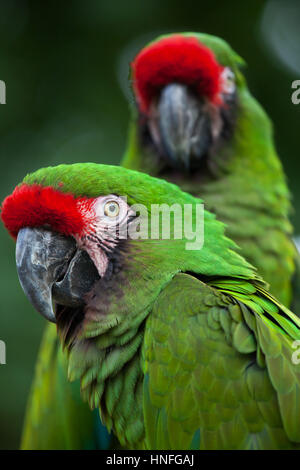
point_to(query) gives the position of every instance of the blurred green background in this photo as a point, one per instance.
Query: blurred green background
(65, 65)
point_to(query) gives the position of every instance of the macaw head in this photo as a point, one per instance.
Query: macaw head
(194, 120)
(186, 92)
(72, 223)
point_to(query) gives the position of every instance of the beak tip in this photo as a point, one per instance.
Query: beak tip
(49, 314)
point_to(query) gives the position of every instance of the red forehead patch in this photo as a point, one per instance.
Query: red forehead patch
(175, 59)
(36, 206)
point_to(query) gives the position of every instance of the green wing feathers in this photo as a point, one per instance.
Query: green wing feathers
(219, 370)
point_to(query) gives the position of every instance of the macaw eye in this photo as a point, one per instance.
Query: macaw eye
(228, 80)
(111, 209)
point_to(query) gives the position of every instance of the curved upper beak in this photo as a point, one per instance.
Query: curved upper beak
(52, 269)
(181, 125)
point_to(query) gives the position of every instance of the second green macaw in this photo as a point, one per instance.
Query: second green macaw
(195, 123)
(176, 348)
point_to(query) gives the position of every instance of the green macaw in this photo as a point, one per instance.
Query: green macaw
(178, 348)
(195, 123)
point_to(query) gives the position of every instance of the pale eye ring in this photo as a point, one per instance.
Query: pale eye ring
(111, 209)
(228, 80)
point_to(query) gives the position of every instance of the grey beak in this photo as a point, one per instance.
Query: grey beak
(52, 269)
(182, 125)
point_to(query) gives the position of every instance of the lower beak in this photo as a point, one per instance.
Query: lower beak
(52, 269)
(182, 125)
